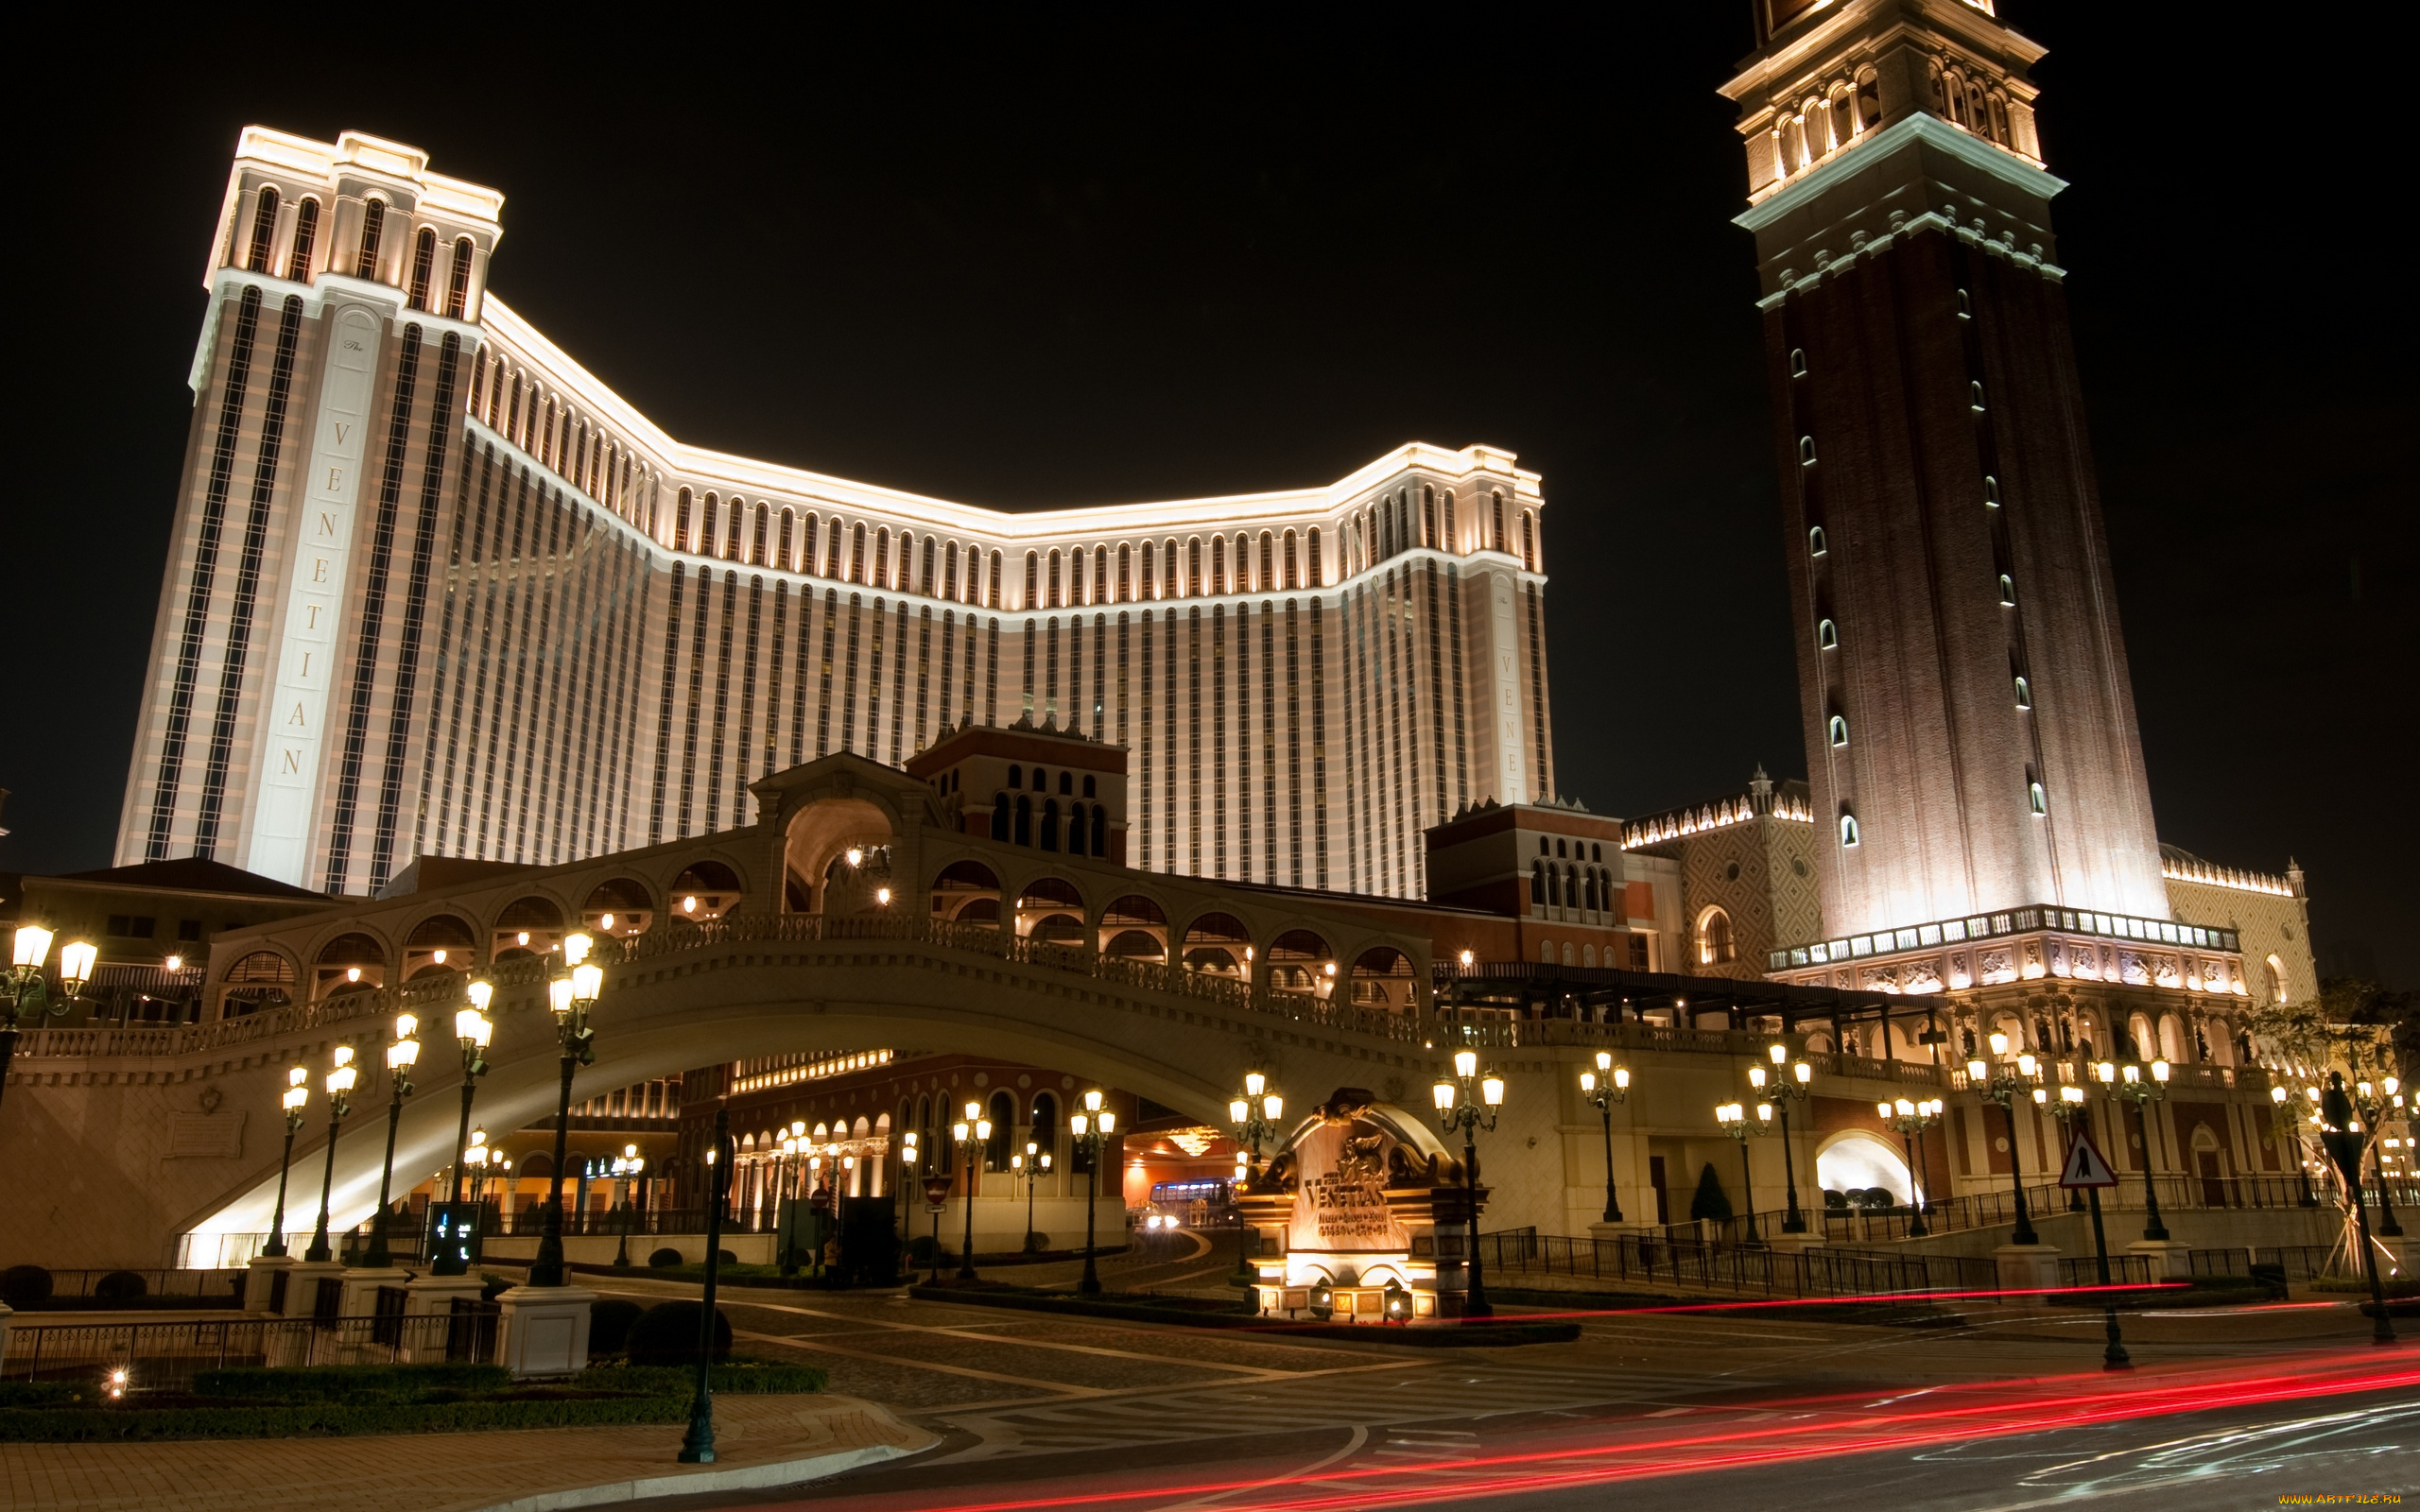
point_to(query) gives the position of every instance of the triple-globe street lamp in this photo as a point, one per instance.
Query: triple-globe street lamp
(2344, 1132)
(342, 1076)
(2370, 1100)
(2290, 1135)
(2068, 1107)
(626, 1169)
(971, 1134)
(1091, 1131)
(1791, 1079)
(402, 1056)
(298, 1095)
(29, 994)
(2007, 1079)
(1257, 1115)
(2130, 1083)
(1911, 1119)
(1601, 1089)
(1734, 1120)
(1030, 1166)
(473, 1029)
(1458, 1110)
(572, 994)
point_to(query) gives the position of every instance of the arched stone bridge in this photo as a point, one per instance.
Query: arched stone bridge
(119, 1138)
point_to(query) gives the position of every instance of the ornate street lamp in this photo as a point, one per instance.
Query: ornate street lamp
(1455, 1110)
(2345, 1133)
(2290, 1136)
(1257, 1115)
(2066, 1110)
(1091, 1130)
(29, 995)
(971, 1134)
(1912, 1119)
(1733, 1121)
(472, 1031)
(1601, 1089)
(2006, 1082)
(401, 1057)
(297, 1093)
(698, 1445)
(627, 1167)
(1791, 1079)
(340, 1079)
(1032, 1165)
(2375, 1112)
(572, 995)
(2129, 1082)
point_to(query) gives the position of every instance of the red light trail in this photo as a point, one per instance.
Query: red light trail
(1951, 1414)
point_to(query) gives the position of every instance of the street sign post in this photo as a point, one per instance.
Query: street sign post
(2086, 1169)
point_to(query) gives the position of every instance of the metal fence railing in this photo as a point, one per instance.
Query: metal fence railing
(1663, 1257)
(168, 1355)
(210, 1287)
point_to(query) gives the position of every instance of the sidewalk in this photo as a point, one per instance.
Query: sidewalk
(760, 1441)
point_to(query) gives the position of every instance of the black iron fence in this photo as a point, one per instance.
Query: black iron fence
(158, 1355)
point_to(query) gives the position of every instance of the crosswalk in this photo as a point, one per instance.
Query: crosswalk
(1416, 1391)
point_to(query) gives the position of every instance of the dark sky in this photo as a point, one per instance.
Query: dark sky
(1040, 265)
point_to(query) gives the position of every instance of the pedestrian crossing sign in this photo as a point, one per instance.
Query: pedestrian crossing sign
(2086, 1168)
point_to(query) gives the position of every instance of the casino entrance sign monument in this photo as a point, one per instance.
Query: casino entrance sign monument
(1360, 1217)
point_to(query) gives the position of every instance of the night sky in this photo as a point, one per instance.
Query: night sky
(1044, 266)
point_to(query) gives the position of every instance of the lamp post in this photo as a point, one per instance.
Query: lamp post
(1089, 1131)
(401, 1057)
(472, 1031)
(2374, 1111)
(2290, 1136)
(572, 994)
(2129, 1082)
(2066, 1110)
(29, 995)
(627, 1167)
(1790, 1079)
(2003, 1081)
(340, 1079)
(1601, 1089)
(971, 1134)
(1455, 1110)
(2344, 1132)
(1257, 1116)
(698, 1445)
(1912, 1119)
(1735, 1122)
(297, 1093)
(1031, 1165)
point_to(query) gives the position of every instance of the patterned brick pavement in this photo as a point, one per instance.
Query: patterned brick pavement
(442, 1473)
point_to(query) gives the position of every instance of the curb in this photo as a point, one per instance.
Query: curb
(738, 1478)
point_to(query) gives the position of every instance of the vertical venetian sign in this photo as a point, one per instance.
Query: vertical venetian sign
(293, 725)
(1504, 660)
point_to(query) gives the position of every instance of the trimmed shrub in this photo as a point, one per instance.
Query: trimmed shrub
(1036, 1242)
(118, 1286)
(46, 1393)
(666, 1335)
(919, 1249)
(726, 1258)
(1711, 1201)
(738, 1378)
(609, 1325)
(322, 1419)
(25, 1285)
(493, 1286)
(664, 1258)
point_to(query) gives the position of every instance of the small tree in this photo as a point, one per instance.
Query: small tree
(1710, 1201)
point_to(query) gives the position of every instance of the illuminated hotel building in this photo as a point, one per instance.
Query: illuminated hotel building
(435, 589)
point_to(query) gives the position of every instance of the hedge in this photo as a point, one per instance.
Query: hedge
(327, 1420)
(740, 1378)
(335, 1382)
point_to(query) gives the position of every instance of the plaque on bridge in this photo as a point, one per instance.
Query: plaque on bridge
(1348, 1214)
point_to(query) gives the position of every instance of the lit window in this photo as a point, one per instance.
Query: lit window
(1965, 306)
(1827, 638)
(1715, 942)
(1975, 397)
(2008, 588)
(1798, 362)
(1991, 490)
(2024, 693)
(1806, 451)
(1815, 546)
(1848, 829)
(1839, 730)
(2034, 795)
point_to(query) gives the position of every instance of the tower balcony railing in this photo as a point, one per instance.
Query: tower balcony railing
(2000, 924)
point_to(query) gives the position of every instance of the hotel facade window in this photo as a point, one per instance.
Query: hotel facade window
(560, 658)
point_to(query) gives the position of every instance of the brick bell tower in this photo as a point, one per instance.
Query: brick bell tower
(1969, 717)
